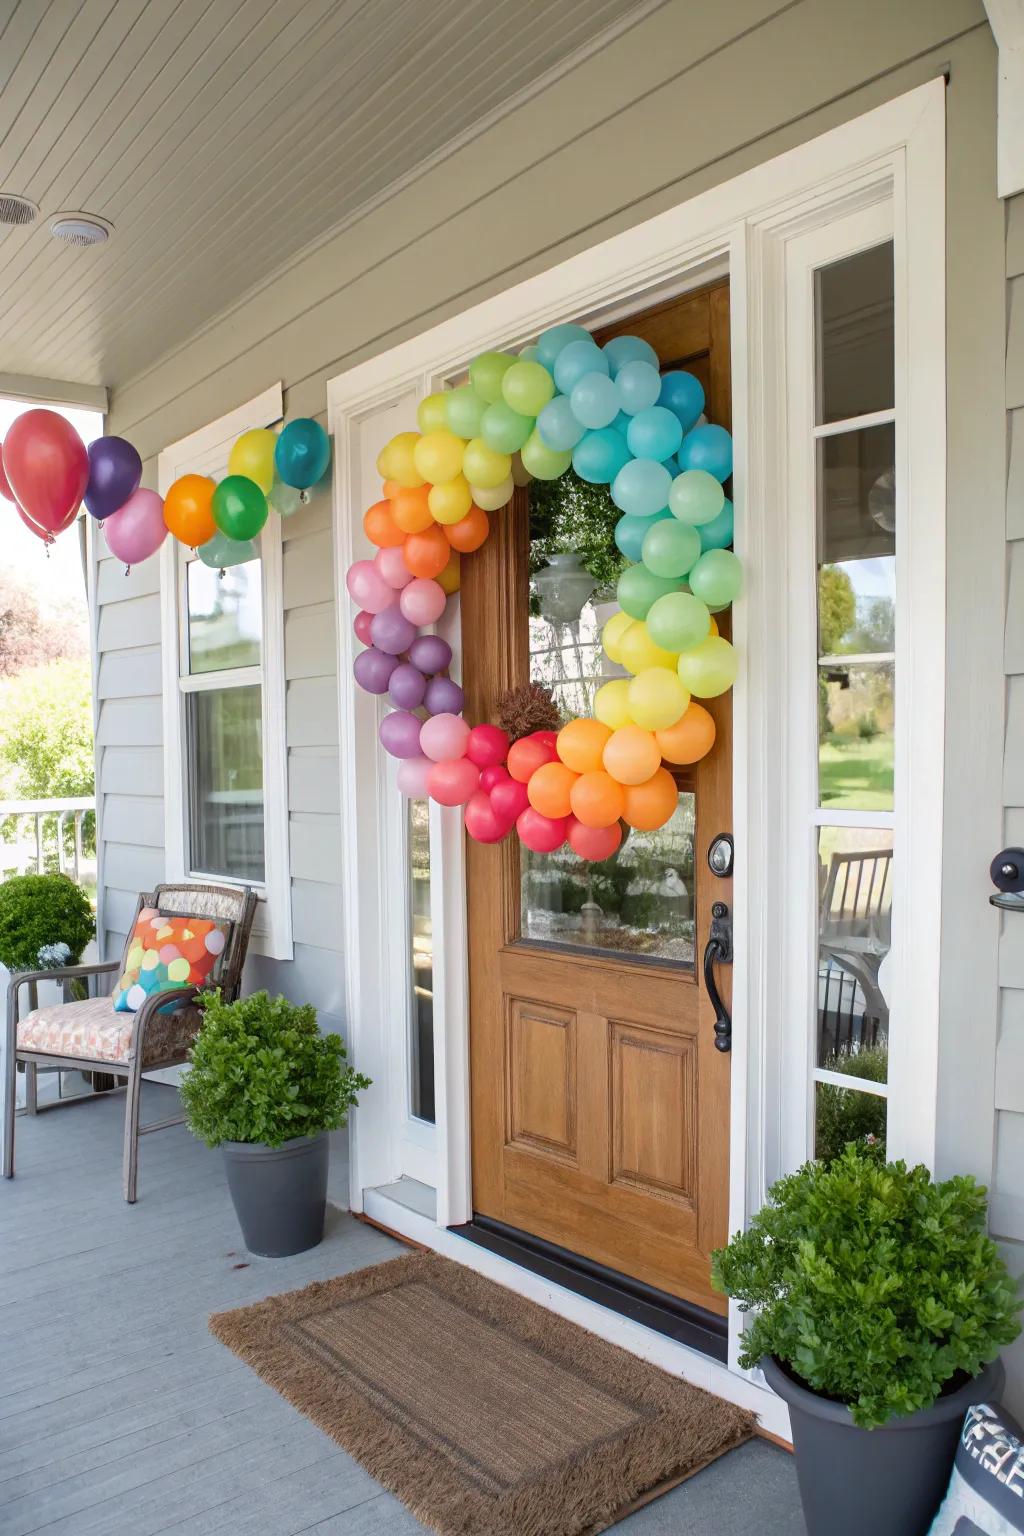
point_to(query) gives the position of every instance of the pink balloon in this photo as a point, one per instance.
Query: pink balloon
(494, 773)
(542, 834)
(482, 822)
(137, 529)
(367, 587)
(452, 782)
(391, 564)
(422, 601)
(487, 745)
(413, 773)
(444, 737)
(362, 627)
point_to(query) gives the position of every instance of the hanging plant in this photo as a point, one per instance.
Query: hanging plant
(571, 514)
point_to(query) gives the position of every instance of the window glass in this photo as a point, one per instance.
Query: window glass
(847, 1114)
(421, 1054)
(857, 542)
(855, 737)
(854, 937)
(855, 335)
(225, 616)
(225, 741)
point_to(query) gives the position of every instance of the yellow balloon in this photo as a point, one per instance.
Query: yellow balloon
(450, 502)
(430, 413)
(657, 698)
(253, 456)
(493, 498)
(611, 635)
(637, 651)
(397, 461)
(438, 456)
(484, 466)
(709, 668)
(451, 577)
(611, 704)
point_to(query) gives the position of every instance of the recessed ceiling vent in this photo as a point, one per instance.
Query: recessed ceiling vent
(80, 228)
(15, 209)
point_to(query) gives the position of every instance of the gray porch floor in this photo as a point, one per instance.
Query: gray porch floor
(121, 1415)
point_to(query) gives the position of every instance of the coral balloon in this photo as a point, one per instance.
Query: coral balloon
(509, 797)
(410, 508)
(413, 773)
(550, 787)
(452, 781)
(611, 704)
(422, 601)
(391, 564)
(188, 510)
(469, 532)
(690, 739)
(594, 843)
(136, 530)
(581, 743)
(426, 553)
(253, 456)
(657, 698)
(631, 755)
(450, 502)
(596, 799)
(487, 745)
(444, 737)
(47, 468)
(483, 823)
(528, 754)
(651, 804)
(541, 834)
(380, 527)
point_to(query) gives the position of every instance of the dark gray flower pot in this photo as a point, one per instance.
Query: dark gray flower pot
(887, 1481)
(279, 1193)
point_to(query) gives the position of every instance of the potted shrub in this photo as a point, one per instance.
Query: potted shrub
(878, 1306)
(266, 1087)
(38, 913)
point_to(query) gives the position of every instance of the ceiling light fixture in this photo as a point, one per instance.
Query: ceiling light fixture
(80, 228)
(15, 209)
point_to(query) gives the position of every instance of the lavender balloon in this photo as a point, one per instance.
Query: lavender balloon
(391, 631)
(431, 654)
(407, 687)
(115, 471)
(372, 670)
(399, 734)
(443, 697)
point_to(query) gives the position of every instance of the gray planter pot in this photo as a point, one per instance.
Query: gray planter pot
(887, 1481)
(279, 1193)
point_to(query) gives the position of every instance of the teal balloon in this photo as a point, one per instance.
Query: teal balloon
(504, 429)
(654, 434)
(638, 385)
(302, 453)
(464, 411)
(530, 355)
(682, 394)
(575, 361)
(594, 401)
(599, 456)
(628, 349)
(558, 426)
(717, 578)
(220, 552)
(555, 339)
(671, 548)
(641, 487)
(718, 534)
(707, 447)
(678, 621)
(630, 533)
(239, 507)
(284, 499)
(639, 588)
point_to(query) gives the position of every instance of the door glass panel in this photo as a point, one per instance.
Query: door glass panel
(855, 335)
(847, 1114)
(854, 936)
(225, 741)
(225, 616)
(421, 1019)
(855, 737)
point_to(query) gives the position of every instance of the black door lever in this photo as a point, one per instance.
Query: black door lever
(719, 947)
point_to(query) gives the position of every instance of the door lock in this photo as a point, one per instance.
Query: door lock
(719, 947)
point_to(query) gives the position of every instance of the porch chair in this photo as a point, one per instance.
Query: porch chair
(89, 1036)
(855, 925)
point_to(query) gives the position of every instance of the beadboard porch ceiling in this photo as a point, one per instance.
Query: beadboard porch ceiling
(220, 137)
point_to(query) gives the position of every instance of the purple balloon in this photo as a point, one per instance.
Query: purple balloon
(431, 654)
(408, 685)
(372, 670)
(115, 472)
(399, 734)
(391, 631)
(443, 697)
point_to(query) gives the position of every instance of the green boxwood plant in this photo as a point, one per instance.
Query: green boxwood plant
(262, 1072)
(870, 1283)
(38, 911)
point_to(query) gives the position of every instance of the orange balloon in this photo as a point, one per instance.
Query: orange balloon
(580, 744)
(187, 509)
(650, 805)
(380, 527)
(391, 489)
(549, 789)
(469, 532)
(409, 508)
(596, 800)
(691, 738)
(713, 627)
(450, 579)
(631, 754)
(426, 553)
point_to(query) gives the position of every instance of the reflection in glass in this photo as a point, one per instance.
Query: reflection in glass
(855, 335)
(855, 736)
(854, 937)
(225, 740)
(857, 542)
(421, 1043)
(225, 616)
(847, 1114)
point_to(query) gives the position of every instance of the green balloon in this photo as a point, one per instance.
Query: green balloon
(431, 413)
(503, 429)
(464, 411)
(486, 373)
(709, 668)
(717, 578)
(638, 588)
(285, 499)
(696, 497)
(542, 462)
(527, 388)
(678, 621)
(220, 552)
(239, 507)
(671, 548)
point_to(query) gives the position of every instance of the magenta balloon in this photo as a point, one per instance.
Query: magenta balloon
(413, 773)
(390, 562)
(372, 670)
(422, 601)
(495, 773)
(391, 632)
(399, 734)
(443, 737)
(136, 530)
(407, 686)
(487, 745)
(431, 654)
(368, 588)
(362, 626)
(453, 781)
(483, 823)
(443, 697)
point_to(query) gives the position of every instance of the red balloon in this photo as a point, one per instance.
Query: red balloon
(594, 843)
(482, 822)
(488, 744)
(509, 798)
(5, 484)
(542, 834)
(529, 753)
(47, 468)
(494, 773)
(362, 627)
(40, 533)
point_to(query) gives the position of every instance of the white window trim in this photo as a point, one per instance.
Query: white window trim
(272, 930)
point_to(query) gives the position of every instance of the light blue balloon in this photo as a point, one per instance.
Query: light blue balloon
(530, 355)
(575, 361)
(220, 552)
(683, 395)
(707, 447)
(638, 386)
(552, 341)
(557, 425)
(628, 349)
(630, 533)
(718, 533)
(654, 434)
(599, 456)
(621, 422)
(641, 487)
(594, 401)
(302, 453)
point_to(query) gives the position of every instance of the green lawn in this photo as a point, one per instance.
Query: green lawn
(856, 774)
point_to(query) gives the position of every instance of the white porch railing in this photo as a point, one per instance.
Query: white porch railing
(40, 828)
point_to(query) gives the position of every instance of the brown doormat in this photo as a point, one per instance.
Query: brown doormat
(481, 1411)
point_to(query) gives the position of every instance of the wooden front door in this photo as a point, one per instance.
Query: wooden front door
(600, 1105)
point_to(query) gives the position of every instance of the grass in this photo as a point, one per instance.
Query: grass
(856, 773)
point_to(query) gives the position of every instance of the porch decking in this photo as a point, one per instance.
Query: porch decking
(120, 1414)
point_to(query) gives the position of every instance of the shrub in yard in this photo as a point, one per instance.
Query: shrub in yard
(37, 911)
(844, 1114)
(872, 1284)
(261, 1071)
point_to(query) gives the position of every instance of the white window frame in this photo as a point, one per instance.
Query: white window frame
(205, 451)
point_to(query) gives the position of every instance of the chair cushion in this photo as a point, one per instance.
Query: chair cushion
(986, 1490)
(166, 952)
(93, 1031)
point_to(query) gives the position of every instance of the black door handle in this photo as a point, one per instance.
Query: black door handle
(719, 947)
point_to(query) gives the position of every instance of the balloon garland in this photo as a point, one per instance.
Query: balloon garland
(610, 414)
(47, 472)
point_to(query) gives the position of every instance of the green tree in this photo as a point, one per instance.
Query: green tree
(46, 735)
(837, 608)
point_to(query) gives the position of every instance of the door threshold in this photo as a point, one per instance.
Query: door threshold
(683, 1321)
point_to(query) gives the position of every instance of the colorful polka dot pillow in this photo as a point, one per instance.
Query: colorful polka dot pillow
(168, 952)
